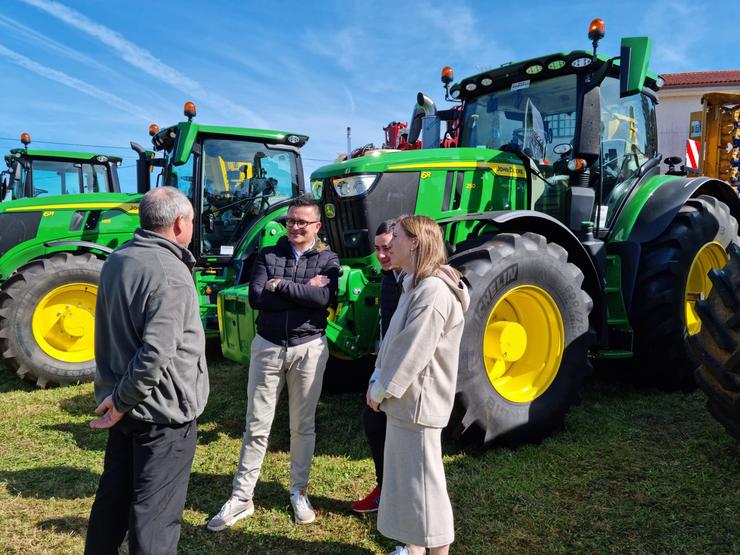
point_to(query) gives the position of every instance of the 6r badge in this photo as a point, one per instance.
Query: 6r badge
(330, 211)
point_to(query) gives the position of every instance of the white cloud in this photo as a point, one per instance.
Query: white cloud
(73, 82)
(678, 30)
(30, 35)
(144, 60)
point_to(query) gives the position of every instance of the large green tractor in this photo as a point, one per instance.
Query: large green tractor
(555, 210)
(61, 214)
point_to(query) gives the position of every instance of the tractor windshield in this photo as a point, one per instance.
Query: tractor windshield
(628, 140)
(533, 117)
(59, 177)
(241, 179)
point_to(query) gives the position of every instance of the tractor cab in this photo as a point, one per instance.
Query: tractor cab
(584, 125)
(42, 173)
(233, 176)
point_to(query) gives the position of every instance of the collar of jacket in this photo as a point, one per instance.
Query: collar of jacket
(284, 245)
(149, 239)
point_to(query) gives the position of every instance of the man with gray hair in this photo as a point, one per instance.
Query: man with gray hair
(151, 381)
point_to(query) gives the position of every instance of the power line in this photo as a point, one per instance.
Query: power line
(70, 144)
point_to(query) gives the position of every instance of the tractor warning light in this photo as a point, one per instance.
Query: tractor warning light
(153, 129)
(597, 29)
(189, 110)
(25, 139)
(447, 75)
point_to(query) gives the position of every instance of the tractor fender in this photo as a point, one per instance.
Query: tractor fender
(88, 245)
(657, 211)
(522, 221)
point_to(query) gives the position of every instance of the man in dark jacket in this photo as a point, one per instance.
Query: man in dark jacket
(374, 422)
(292, 285)
(151, 381)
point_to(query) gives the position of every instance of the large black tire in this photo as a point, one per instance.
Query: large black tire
(19, 298)
(493, 270)
(718, 345)
(663, 357)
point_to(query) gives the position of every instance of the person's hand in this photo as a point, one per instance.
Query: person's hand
(110, 415)
(370, 403)
(271, 284)
(319, 281)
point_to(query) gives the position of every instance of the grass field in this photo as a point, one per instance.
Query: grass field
(633, 472)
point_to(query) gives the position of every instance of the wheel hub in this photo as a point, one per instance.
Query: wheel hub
(712, 256)
(523, 343)
(64, 322)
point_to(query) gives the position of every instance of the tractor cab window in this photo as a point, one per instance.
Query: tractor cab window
(628, 140)
(241, 180)
(53, 177)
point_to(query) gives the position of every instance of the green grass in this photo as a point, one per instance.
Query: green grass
(633, 472)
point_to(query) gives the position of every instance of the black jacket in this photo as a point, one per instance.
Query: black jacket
(390, 292)
(296, 312)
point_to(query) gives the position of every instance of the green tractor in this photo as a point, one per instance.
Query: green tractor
(554, 208)
(61, 214)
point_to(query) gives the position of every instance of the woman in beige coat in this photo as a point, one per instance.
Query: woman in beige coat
(414, 384)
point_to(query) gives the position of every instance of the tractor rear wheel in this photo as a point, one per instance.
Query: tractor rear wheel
(523, 355)
(717, 345)
(47, 319)
(672, 276)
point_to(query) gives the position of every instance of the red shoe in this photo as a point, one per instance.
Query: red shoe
(369, 504)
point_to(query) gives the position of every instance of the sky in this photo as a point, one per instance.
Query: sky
(86, 72)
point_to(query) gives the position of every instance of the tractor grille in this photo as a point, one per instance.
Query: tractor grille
(347, 231)
(17, 228)
(350, 232)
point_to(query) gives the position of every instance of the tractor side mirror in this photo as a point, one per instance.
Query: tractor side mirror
(634, 57)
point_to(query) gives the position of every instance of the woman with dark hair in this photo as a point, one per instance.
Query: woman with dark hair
(414, 384)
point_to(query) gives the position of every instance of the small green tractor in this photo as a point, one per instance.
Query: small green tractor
(552, 202)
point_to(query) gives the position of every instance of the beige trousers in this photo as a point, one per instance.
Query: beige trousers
(270, 367)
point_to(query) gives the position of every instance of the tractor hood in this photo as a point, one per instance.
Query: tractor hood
(89, 201)
(427, 159)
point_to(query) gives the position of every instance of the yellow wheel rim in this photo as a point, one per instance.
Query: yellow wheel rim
(698, 285)
(64, 322)
(523, 343)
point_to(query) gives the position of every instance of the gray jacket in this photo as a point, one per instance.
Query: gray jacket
(416, 368)
(149, 340)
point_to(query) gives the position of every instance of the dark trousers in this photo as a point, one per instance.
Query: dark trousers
(142, 489)
(374, 424)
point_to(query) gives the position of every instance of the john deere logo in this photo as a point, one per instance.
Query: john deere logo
(330, 211)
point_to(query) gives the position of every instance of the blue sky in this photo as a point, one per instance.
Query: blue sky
(98, 73)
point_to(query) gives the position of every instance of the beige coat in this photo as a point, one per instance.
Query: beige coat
(416, 367)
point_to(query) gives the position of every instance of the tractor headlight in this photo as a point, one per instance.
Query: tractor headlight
(354, 185)
(317, 188)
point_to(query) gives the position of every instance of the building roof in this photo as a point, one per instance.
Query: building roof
(698, 79)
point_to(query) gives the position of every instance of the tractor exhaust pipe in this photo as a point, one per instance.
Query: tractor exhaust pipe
(424, 122)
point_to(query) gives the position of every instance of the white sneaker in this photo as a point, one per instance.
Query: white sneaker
(400, 550)
(302, 509)
(233, 511)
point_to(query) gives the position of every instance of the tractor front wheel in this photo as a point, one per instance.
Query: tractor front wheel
(47, 319)
(523, 355)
